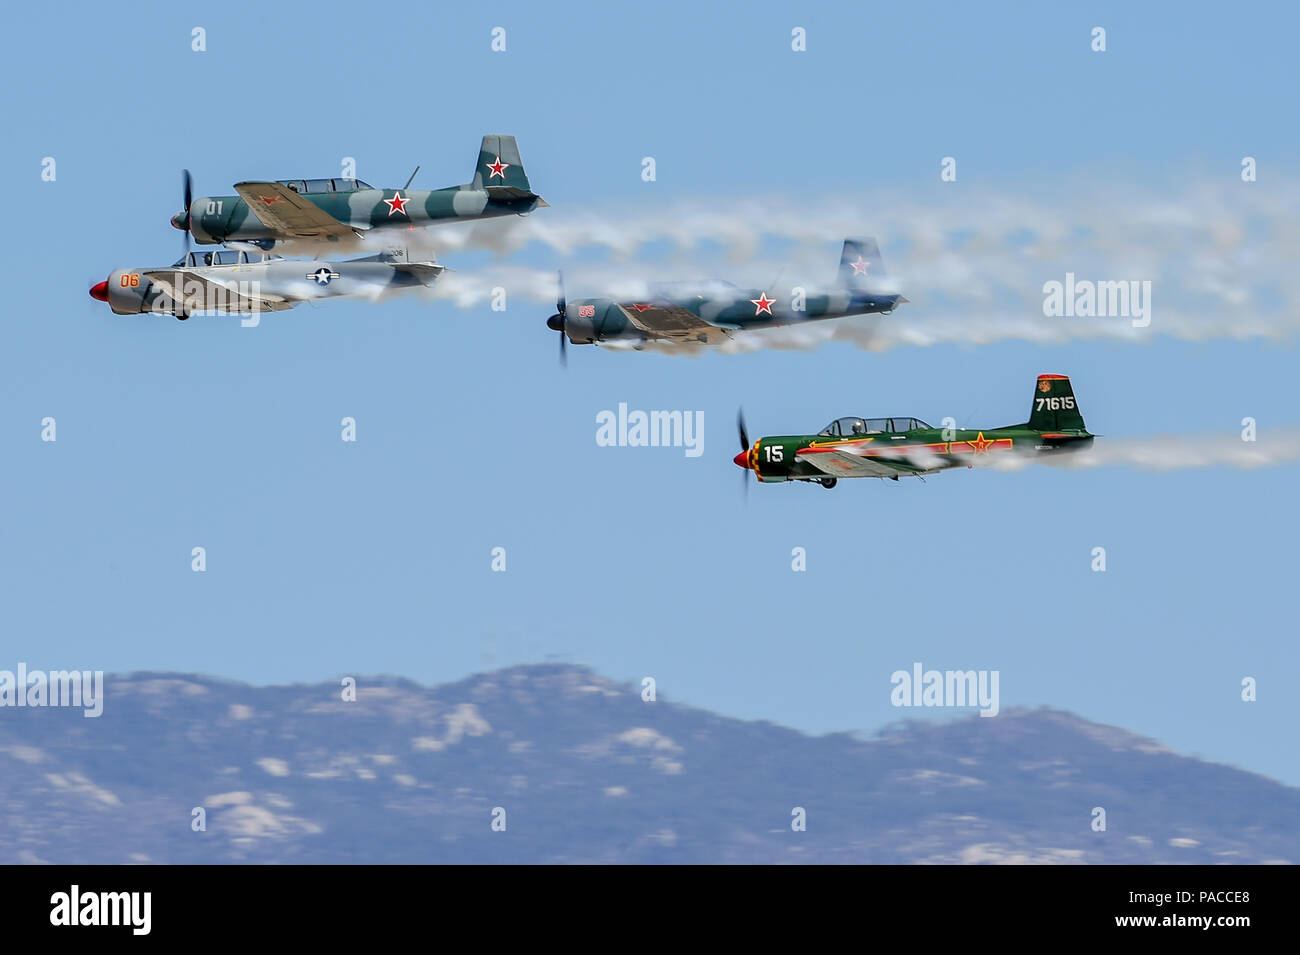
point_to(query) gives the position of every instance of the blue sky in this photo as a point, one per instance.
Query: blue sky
(328, 559)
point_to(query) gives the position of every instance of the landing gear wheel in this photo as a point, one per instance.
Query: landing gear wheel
(828, 483)
(182, 316)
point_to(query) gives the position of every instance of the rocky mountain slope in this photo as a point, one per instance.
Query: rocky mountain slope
(579, 769)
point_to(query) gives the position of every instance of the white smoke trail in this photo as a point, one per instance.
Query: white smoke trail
(1219, 258)
(909, 325)
(1166, 452)
(1160, 452)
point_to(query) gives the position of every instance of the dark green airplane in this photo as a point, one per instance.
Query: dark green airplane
(330, 210)
(907, 447)
(707, 314)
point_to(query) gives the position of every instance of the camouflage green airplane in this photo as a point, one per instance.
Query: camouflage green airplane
(708, 314)
(330, 210)
(907, 447)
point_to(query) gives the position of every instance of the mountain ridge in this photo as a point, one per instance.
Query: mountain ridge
(580, 769)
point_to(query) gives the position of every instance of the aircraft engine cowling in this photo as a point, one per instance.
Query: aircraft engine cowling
(130, 293)
(206, 224)
(595, 320)
(587, 321)
(772, 458)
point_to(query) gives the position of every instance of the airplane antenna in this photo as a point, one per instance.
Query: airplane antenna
(412, 179)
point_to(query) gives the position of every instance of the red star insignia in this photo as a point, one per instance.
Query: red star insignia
(497, 168)
(397, 203)
(762, 304)
(981, 444)
(642, 308)
(860, 266)
(269, 199)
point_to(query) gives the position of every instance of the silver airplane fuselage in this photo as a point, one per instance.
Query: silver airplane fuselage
(255, 282)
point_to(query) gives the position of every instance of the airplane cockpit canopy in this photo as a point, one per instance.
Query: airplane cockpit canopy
(315, 187)
(203, 259)
(852, 427)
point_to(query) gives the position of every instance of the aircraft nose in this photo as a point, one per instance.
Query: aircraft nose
(100, 291)
(553, 323)
(178, 222)
(742, 460)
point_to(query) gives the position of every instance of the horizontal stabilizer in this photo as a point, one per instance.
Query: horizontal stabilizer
(426, 272)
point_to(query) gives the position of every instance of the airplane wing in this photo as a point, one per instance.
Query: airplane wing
(868, 457)
(282, 209)
(198, 293)
(668, 321)
(838, 462)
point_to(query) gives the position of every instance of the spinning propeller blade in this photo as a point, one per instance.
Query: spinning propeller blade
(182, 221)
(560, 309)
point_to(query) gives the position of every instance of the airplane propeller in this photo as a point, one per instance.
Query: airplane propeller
(557, 322)
(182, 219)
(742, 458)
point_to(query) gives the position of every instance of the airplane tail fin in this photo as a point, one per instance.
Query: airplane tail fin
(1054, 410)
(500, 170)
(860, 264)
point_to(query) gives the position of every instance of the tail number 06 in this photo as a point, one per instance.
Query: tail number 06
(130, 279)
